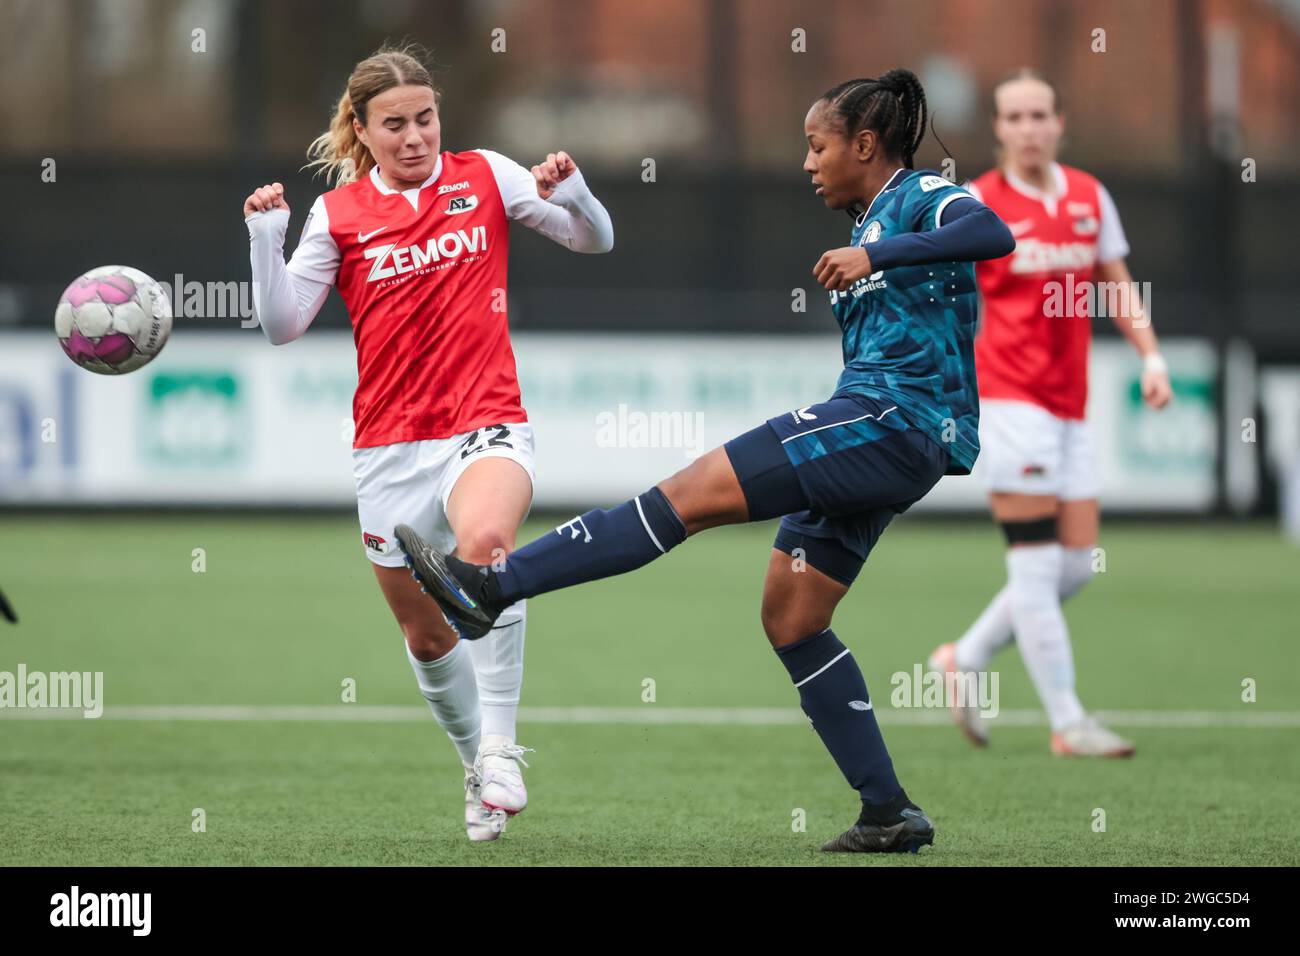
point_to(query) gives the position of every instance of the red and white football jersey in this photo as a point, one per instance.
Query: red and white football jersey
(1021, 352)
(423, 275)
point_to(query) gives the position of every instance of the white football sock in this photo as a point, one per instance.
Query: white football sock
(990, 633)
(1076, 571)
(448, 684)
(499, 667)
(992, 630)
(1034, 579)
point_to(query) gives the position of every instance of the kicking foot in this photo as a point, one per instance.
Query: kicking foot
(898, 827)
(465, 592)
(964, 715)
(1088, 738)
(481, 823)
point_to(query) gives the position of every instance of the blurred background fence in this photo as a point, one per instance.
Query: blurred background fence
(134, 128)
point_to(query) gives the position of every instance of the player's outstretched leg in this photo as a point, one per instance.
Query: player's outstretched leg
(799, 598)
(598, 544)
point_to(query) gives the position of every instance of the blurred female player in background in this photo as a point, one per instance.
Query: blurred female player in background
(1032, 364)
(416, 240)
(905, 411)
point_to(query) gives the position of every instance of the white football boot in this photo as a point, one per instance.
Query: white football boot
(967, 718)
(501, 783)
(480, 822)
(1088, 738)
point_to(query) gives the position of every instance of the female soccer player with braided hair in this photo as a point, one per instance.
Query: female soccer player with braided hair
(416, 240)
(904, 413)
(1033, 374)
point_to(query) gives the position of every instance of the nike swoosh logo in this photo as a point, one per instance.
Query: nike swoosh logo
(361, 238)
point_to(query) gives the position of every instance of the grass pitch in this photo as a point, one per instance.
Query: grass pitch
(286, 610)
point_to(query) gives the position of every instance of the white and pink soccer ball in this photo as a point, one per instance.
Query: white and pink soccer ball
(113, 319)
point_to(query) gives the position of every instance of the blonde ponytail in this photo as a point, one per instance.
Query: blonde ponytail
(337, 152)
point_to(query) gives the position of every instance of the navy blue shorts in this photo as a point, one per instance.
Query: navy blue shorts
(838, 472)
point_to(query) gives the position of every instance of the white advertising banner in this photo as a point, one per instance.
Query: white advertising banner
(230, 419)
(215, 418)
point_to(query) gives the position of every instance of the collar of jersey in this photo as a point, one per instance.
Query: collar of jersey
(1032, 192)
(890, 185)
(412, 195)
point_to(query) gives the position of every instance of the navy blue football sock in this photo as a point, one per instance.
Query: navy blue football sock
(596, 545)
(833, 694)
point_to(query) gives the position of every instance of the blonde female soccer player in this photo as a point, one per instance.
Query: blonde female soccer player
(1032, 366)
(416, 240)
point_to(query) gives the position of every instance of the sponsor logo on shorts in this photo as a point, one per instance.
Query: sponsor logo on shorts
(1033, 471)
(374, 542)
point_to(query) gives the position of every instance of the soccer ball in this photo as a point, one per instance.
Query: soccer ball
(113, 319)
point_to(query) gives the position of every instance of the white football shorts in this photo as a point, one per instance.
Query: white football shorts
(1025, 449)
(410, 482)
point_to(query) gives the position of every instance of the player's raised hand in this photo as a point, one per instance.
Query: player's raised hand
(840, 268)
(270, 196)
(555, 169)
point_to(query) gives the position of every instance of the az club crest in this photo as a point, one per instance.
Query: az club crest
(459, 204)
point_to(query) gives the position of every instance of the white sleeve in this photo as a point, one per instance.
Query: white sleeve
(971, 188)
(573, 217)
(317, 256)
(1111, 242)
(284, 302)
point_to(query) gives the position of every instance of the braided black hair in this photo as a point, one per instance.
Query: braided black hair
(892, 105)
